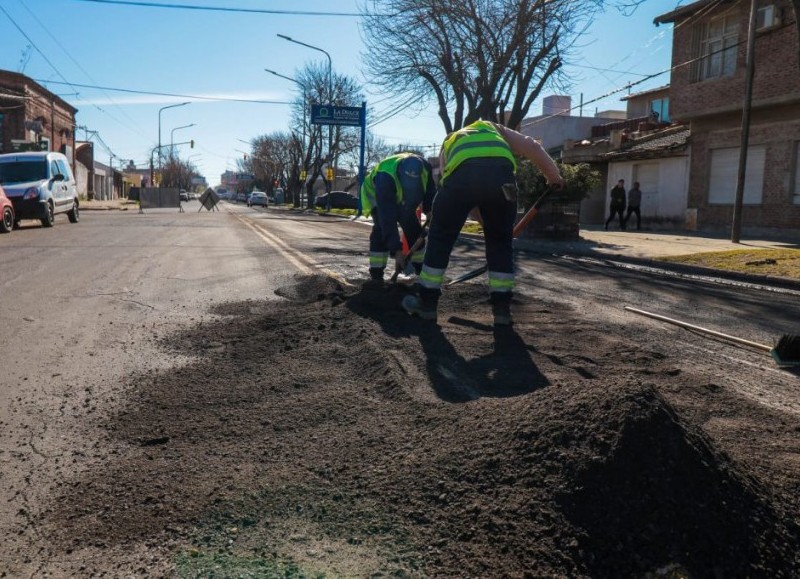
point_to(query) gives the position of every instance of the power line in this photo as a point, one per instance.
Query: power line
(167, 94)
(654, 75)
(78, 64)
(221, 8)
(32, 43)
(47, 60)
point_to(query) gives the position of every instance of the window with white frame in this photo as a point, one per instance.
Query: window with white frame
(717, 47)
(724, 174)
(796, 185)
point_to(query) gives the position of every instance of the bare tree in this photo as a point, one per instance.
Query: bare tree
(177, 173)
(477, 58)
(309, 143)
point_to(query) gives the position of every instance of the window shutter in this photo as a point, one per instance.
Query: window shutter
(724, 173)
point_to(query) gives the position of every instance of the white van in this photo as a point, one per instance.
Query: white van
(39, 185)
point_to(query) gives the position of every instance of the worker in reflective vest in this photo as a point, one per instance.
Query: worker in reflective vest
(476, 162)
(391, 194)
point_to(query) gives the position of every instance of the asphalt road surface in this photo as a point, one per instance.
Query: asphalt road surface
(82, 304)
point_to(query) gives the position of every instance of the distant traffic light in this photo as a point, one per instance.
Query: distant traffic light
(191, 144)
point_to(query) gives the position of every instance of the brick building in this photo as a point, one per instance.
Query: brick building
(33, 117)
(707, 91)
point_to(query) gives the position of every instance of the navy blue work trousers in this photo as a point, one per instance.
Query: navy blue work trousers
(474, 183)
(406, 216)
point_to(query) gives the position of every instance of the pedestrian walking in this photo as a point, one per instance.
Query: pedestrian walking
(391, 194)
(617, 204)
(634, 204)
(478, 165)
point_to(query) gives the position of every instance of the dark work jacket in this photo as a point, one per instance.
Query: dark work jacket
(618, 198)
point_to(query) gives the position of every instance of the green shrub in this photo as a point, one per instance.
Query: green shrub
(580, 180)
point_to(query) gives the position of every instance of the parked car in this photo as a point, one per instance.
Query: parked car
(241, 197)
(40, 184)
(7, 222)
(339, 200)
(258, 198)
(183, 195)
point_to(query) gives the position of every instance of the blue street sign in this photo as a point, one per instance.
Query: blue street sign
(335, 115)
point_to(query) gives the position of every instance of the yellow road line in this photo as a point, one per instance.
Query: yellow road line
(301, 261)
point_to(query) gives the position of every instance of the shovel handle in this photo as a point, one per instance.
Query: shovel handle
(530, 214)
(412, 250)
(699, 329)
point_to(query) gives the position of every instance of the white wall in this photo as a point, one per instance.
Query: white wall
(82, 179)
(663, 199)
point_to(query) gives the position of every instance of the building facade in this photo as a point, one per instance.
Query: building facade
(708, 92)
(31, 117)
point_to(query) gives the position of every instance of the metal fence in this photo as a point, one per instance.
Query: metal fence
(159, 197)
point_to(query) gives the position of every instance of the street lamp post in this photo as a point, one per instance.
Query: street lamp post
(172, 137)
(305, 105)
(330, 97)
(159, 126)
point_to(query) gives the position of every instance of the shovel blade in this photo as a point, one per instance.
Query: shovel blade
(467, 276)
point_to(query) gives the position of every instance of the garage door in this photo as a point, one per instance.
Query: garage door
(647, 174)
(724, 171)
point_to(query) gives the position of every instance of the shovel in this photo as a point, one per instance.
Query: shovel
(412, 250)
(518, 228)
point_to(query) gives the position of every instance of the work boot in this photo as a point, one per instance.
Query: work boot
(501, 308)
(416, 307)
(424, 304)
(375, 277)
(502, 314)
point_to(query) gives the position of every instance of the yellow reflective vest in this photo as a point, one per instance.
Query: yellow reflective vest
(477, 140)
(369, 197)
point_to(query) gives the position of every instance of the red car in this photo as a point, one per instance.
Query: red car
(7, 223)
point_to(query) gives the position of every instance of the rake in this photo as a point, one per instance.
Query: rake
(785, 353)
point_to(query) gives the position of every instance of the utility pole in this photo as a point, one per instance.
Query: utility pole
(736, 228)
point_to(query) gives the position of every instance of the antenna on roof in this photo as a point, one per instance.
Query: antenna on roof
(24, 58)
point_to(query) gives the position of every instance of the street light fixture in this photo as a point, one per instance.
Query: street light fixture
(159, 126)
(305, 105)
(330, 92)
(172, 137)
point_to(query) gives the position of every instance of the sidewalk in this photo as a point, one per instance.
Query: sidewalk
(107, 205)
(650, 244)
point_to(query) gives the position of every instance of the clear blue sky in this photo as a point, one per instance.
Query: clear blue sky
(223, 54)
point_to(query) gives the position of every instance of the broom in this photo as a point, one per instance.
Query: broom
(785, 353)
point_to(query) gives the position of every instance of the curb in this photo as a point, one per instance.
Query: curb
(765, 280)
